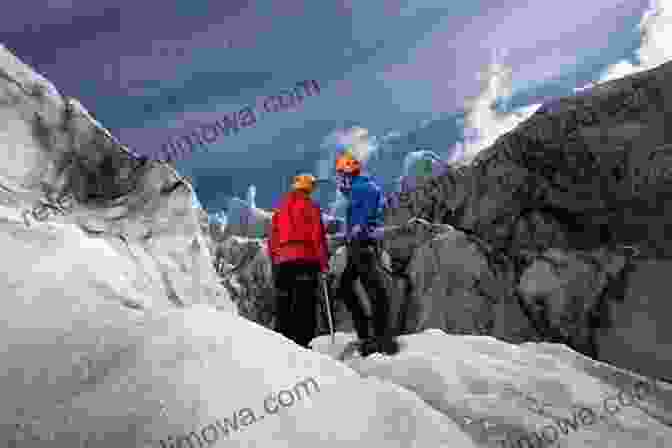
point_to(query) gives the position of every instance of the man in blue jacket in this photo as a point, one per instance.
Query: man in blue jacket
(364, 221)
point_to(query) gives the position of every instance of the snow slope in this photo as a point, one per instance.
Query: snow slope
(502, 394)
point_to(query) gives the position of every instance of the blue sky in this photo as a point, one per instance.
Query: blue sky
(153, 70)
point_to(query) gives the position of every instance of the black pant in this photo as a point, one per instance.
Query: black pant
(362, 264)
(297, 292)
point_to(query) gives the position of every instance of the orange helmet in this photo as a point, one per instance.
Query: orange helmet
(304, 182)
(346, 163)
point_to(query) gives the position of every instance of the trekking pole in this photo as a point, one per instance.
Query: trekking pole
(329, 317)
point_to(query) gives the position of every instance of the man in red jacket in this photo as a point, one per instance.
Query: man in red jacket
(298, 250)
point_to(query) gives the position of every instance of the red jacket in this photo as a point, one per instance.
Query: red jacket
(297, 232)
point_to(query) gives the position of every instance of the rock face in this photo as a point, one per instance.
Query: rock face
(446, 273)
(248, 278)
(559, 199)
(420, 166)
(75, 202)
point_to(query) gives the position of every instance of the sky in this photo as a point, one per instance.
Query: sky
(410, 72)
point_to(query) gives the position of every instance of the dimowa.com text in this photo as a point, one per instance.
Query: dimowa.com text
(205, 134)
(214, 431)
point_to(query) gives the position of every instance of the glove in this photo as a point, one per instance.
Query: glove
(377, 233)
(356, 233)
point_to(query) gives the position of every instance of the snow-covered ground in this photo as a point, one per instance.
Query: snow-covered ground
(529, 395)
(77, 367)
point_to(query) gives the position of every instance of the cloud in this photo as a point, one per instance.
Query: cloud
(356, 138)
(483, 123)
(655, 48)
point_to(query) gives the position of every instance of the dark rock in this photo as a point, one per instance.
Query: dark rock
(583, 177)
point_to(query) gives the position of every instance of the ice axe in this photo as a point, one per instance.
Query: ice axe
(325, 291)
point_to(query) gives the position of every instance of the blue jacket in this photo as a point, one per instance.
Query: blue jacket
(366, 205)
